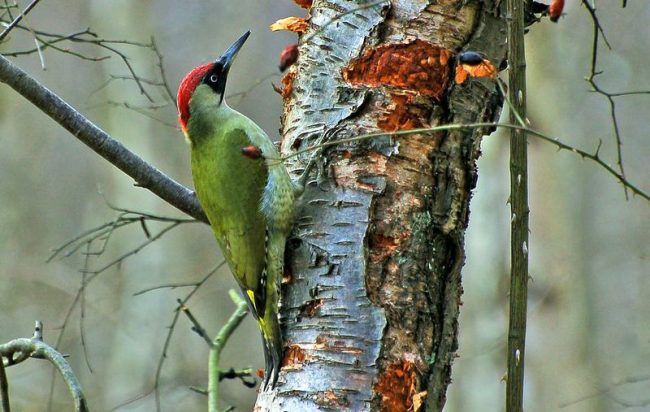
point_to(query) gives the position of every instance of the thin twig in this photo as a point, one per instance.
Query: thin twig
(161, 68)
(163, 355)
(143, 112)
(104, 231)
(242, 95)
(595, 157)
(102, 234)
(17, 20)
(196, 326)
(120, 259)
(82, 306)
(591, 79)
(56, 38)
(136, 78)
(167, 286)
(244, 375)
(633, 93)
(607, 391)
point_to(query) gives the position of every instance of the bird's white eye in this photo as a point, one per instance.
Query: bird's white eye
(213, 78)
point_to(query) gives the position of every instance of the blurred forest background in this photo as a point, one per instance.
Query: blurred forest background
(589, 308)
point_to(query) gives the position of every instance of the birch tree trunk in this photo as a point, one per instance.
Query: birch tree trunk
(372, 296)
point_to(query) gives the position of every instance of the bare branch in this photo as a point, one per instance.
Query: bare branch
(102, 234)
(161, 68)
(172, 326)
(104, 231)
(34, 347)
(144, 174)
(144, 112)
(84, 36)
(634, 93)
(163, 356)
(59, 339)
(591, 79)
(120, 259)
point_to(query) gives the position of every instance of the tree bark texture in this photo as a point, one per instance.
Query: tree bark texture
(373, 288)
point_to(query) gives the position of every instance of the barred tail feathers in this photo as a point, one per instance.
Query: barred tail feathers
(270, 323)
(264, 304)
(273, 349)
(271, 337)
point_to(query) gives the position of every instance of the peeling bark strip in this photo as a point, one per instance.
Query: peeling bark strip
(371, 308)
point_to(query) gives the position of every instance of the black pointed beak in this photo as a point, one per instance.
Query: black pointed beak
(229, 55)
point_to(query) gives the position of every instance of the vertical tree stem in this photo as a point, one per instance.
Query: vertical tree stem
(519, 209)
(218, 344)
(4, 388)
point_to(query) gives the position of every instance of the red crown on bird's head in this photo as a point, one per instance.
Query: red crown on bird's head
(185, 91)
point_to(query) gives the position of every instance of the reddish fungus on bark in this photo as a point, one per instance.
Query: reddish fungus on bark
(287, 83)
(419, 67)
(396, 386)
(294, 356)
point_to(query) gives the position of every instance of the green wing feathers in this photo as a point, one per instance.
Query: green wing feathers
(229, 186)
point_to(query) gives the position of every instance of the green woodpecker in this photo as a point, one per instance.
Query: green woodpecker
(245, 191)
